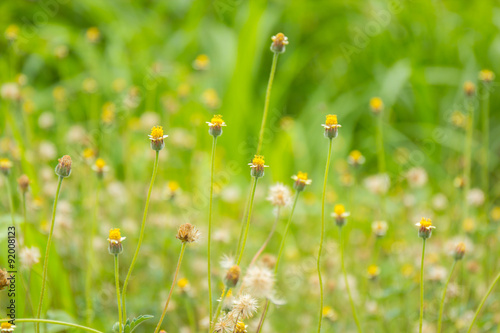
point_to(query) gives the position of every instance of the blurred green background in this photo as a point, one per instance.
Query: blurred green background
(95, 76)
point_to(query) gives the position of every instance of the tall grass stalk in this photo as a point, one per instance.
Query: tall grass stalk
(141, 236)
(422, 288)
(268, 239)
(485, 143)
(441, 307)
(183, 248)
(380, 144)
(468, 155)
(318, 263)
(47, 254)
(342, 250)
(209, 256)
(118, 298)
(250, 206)
(90, 256)
(490, 289)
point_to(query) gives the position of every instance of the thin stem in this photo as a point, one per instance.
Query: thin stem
(490, 289)
(117, 282)
(25, 220)
(441, 307)
(263, 317)
(243, 219)
(219, 307)
(55, 322)
(11, 202)
(47, 253)
(248, 220)
(422, 287)
(268, 239)
(342, 245)
(380, 144)
(467, 156)
(141, 236)
(90, 257)
(209, 256)
(172, 287)
(318, 264)
(236, 322)
(485, 145)
(266, 103)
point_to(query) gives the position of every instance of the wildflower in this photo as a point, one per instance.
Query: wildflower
(61, 51)
(259, 281)
(379, 228)
(437, 273)
(340, 215)
(425, 228)
(7, 327)
(89, 85)
(10, 91)
(376, 105)
(469, 89)
(100, 167)
(215, 125)
(439, 201)
(241, 327)
(24, 183)
(115, 242)
(268, 260)
(458, 182)
(355, 158)
(210, 98)
(157, 137)
(257, 166)
(495, 213)
(329, 313)
(245, 306)
(4, 281)
(30, 256)
(224, 325)
(378, 184)
(373, 272)
(279, 195)
(188, 233)
(459, 251)
(93, 34)
(280, 41)
(331, 126)
(12, 32)
(475, 197)
(202, 62)
(469, 224)
(63, 168)
(183, 284)
(88, 154)
(108, 112)
(232, 276)
(301, 181)
(486, 76)
(172, 189)
(417, 177)
(5, 166)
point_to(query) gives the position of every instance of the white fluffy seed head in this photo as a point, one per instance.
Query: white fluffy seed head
(259, 281)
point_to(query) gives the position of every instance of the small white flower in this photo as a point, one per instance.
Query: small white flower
(378, 184)
(279, 195)
(259, 281)
(30, 256)
(475, 197)
(417, 177)
(379, 228)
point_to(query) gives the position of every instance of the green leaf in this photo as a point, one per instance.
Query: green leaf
(139, 320)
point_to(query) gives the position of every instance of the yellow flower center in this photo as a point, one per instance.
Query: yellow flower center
(331, 120)
(157, 133)
(460, 247)
(376, 103)
(327, 310)
(425, 223)
(182, 283)
(373, 270)
(173, 186)
(5, 325)
(302, 176)
(114, 234)
(355, 155)
(486, 75)
(258, 160)
(99, 163)
(88, 153)
(5, 163)
(217, 120)
(339, 209)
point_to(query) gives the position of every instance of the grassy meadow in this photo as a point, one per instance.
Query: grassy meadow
(373, 115)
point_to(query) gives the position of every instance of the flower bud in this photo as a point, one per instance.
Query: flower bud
(280, 41)
(469, 89)
(188, 233)
(156, 138)
(232, 276)
(301, 181)
(331, 126)
(24, 183)
(486, 76)
(257, 166)
(63, 168)
(215, 126)
(4, 281)
(459, 251)
(115, 242)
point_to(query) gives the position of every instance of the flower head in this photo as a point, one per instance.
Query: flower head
(257, 166)
(245, 306)
(331, 126)
(469, 89)
(373, 271)
(157, 137)
(93, 34)
(280, 41)
(379, 228)
(259, 281)
(425, 228)
(459, 251)
(355, 158)
(115, 240)
(24, 183)
(100, 167)
(183, 284)
(376, 105)
(188, 233)
(241, 327)
(224, 325)
(301, 181)
(29, 256)
(215, 125)
(12, 32)
(63, 168)
(340, 215)
(7, 327)
(10, 91)
(486, 76)
(232, 276)
(4, 281)
(202, 62)
(279, 195)
(5, 166)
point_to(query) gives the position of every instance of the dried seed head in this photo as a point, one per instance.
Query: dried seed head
(63, 168)
(244, 307)
(279, 195)
(280, 41)
(188, 233)
(4, 282)
(24, 183)
(232, 276)
(379, 228)
(259, 281)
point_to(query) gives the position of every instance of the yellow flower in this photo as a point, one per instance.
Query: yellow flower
(5, 165)
(12, 32)
(280, 41)
(376, 105)
(469, 88)
(425, 228)
(215, 125)
(93, 34)
(331, 126)
(240, 327)
(7, 327)
(495, 213)
(340, 215)
(257, 166)
(108, 112)
(183, 283)
(88, 153)
(373, 271)
(157, 137)
(211, 98)
(100, 167)
(115, 240)
(486, 76)
(355, 158)
(202, 62)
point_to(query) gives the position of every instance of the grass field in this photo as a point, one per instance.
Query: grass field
(411, 84)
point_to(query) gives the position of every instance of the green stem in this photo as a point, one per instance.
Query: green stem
(263, 317)
(422, 287)
(266, 103)
(47, 253)
(219, 307)
(243, 219)
(172, 287)
(11, 201)
(441, 307)
(268, 239)
(342, 245)
(25, 220)
(380, 144)
(141, 236)
(118, 298)
(318, 264)
(248, 220)
(55, 322)
(209, 253)
(90, 257)
(468, 153)
(485, 145)
(490, 289)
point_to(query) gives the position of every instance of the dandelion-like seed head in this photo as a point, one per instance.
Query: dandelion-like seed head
(5, 166)
(4, 281)
(280, 41)
(340, 215)
(355, 158)
(259, 281)
(376, 105)
(459, 251)
(301, 181)
(469, 89)
(425, 228)
(486, 76)
(63, 168)
(279, 195)
(224, 325)
(257, 166)
(331, 126)
(188, 233)
(245, 306)
(215, 125)
(157, 138)
(115, 240)
(232, 276)
(7, 327)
